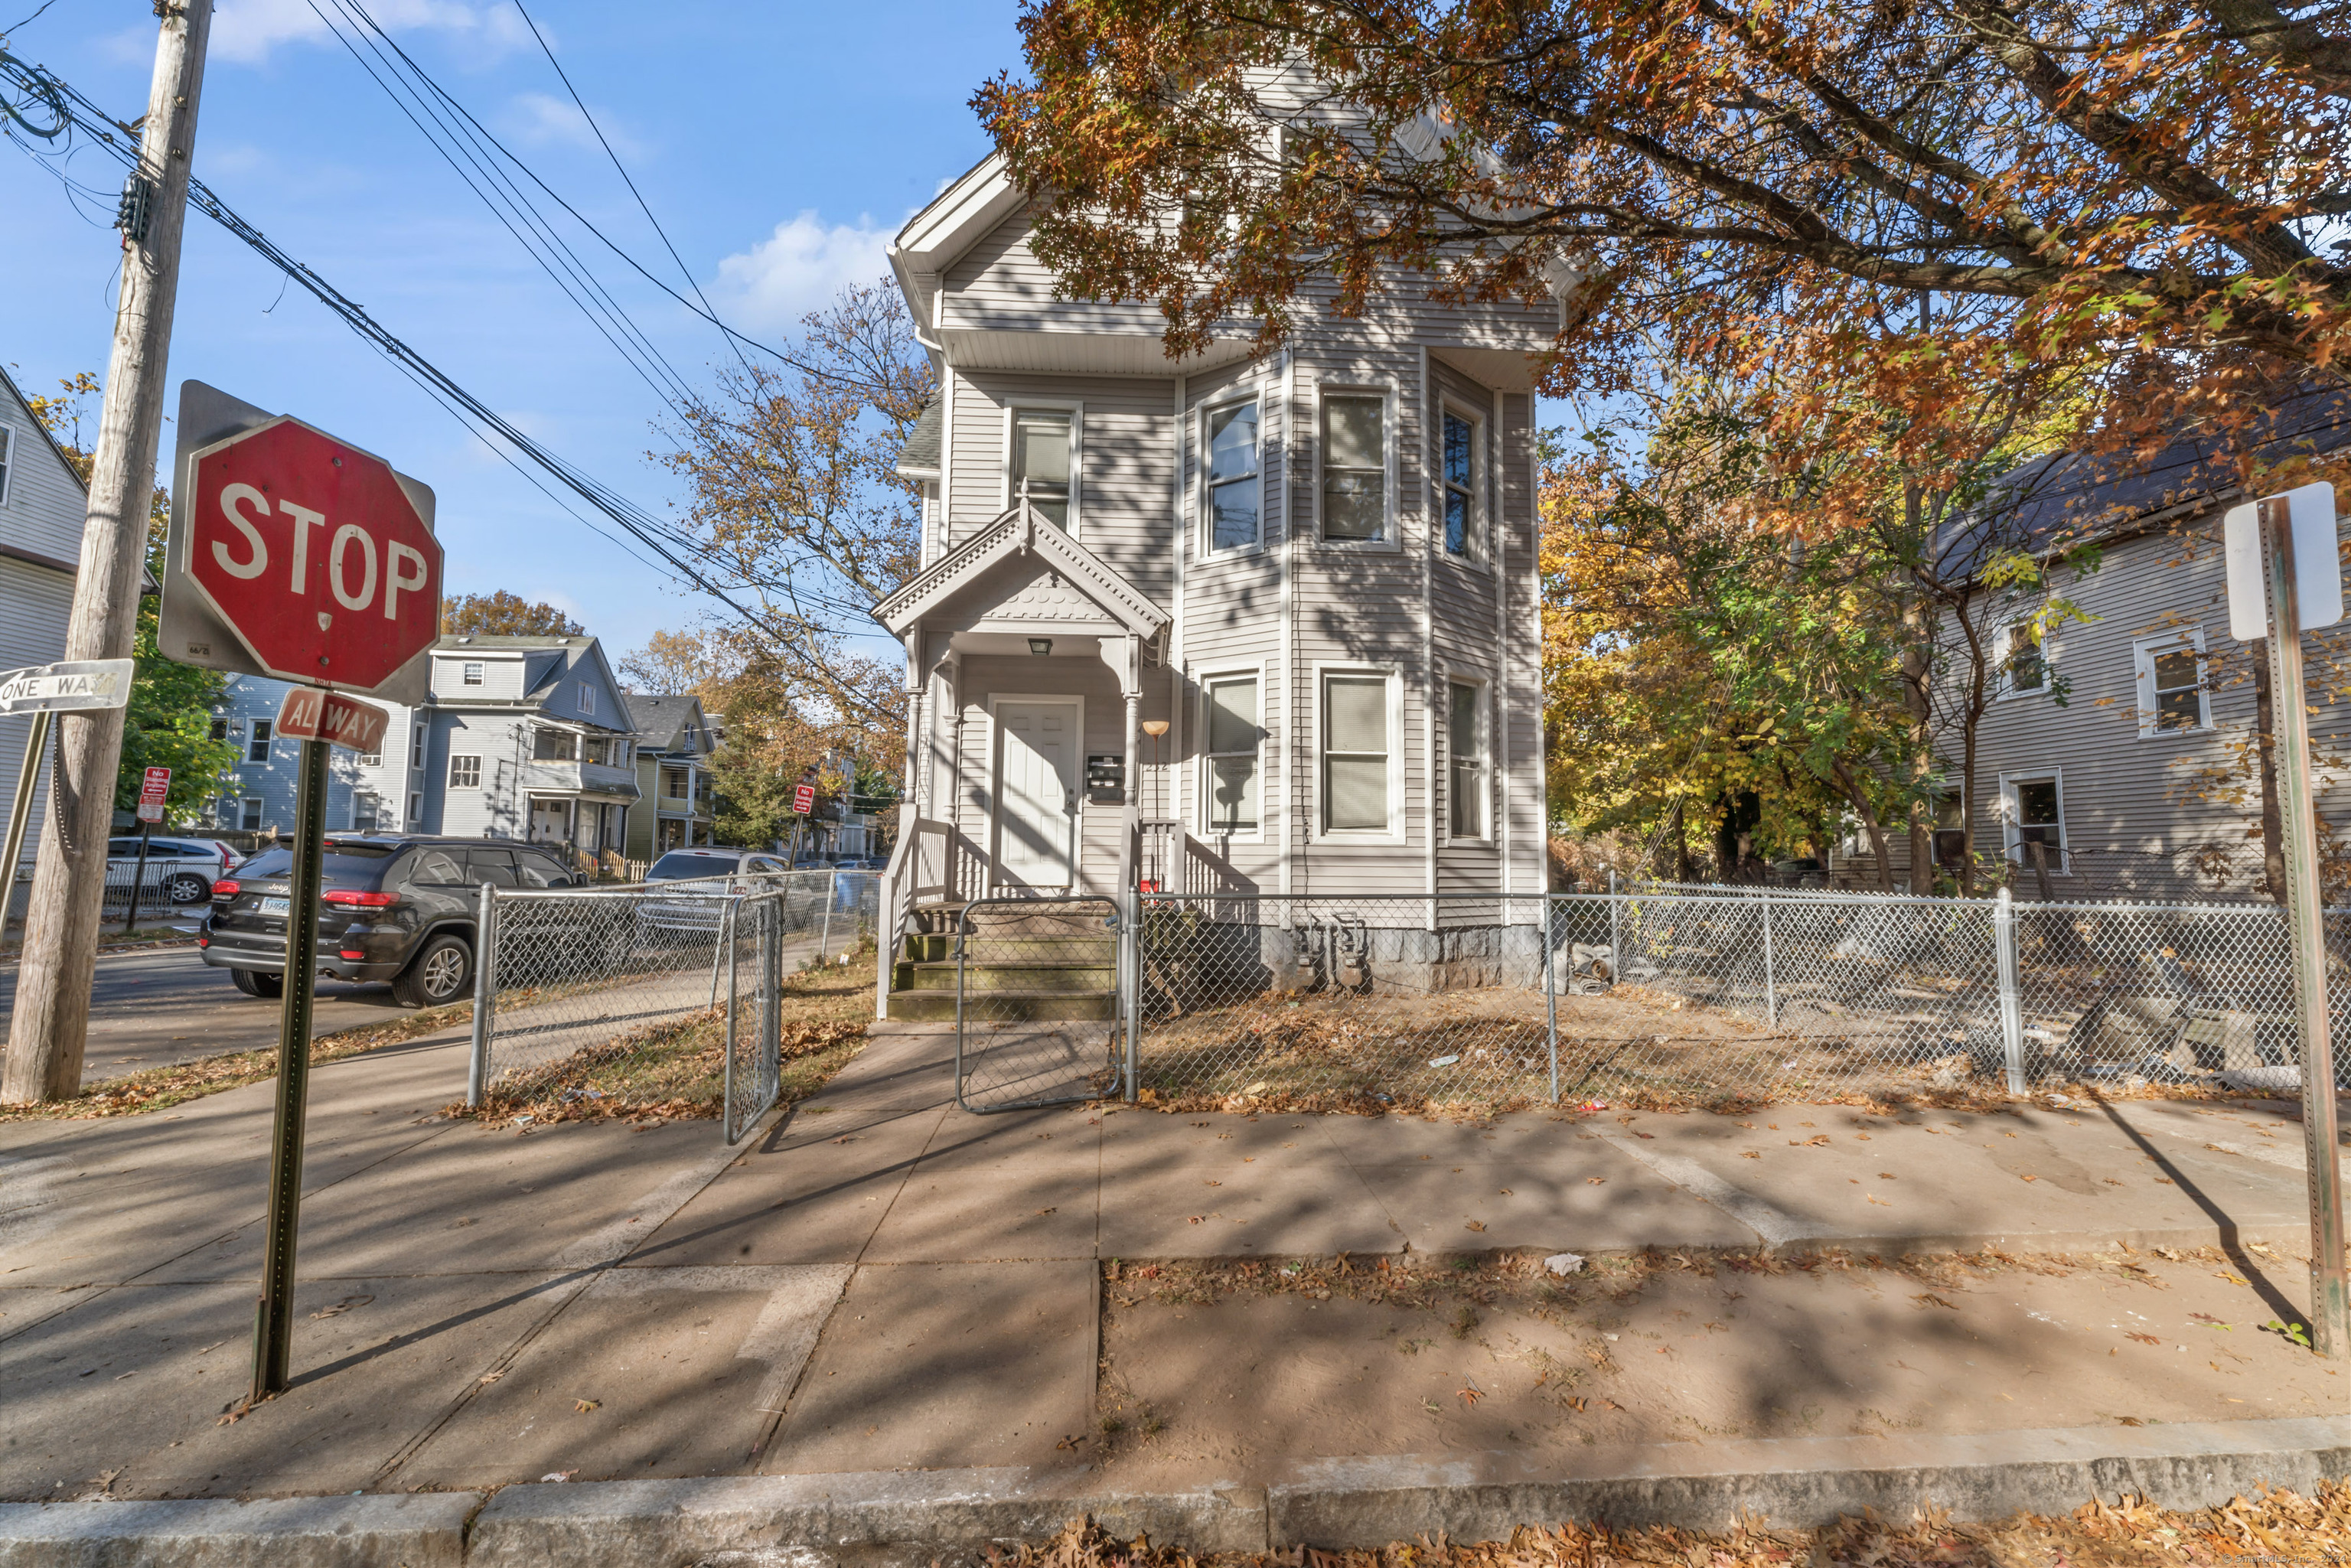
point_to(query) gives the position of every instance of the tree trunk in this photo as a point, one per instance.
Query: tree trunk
(1870, 824)
(2264, 748)
(1918, 670)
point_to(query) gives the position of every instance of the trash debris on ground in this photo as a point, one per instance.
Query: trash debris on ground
(1565, 1262)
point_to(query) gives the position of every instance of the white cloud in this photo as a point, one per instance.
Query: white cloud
(796, 270)
(541, 119)
(247, 30)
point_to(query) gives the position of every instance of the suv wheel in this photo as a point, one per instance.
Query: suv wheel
(255, 983)
(187, 887)
(440, 972)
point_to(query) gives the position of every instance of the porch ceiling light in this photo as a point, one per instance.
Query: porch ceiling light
(1041, 645)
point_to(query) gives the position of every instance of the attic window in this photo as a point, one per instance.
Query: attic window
(587, 699)
(7, 461)
(471, 676)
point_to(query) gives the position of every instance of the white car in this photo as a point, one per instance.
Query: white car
(184, 869)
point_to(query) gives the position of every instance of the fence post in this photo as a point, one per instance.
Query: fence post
(1616, 953)
(733, 1010)
(832, 897)
(485, 990)
(1131, 961)
(1551, 981)
(1770, 981)
(2012, 1009)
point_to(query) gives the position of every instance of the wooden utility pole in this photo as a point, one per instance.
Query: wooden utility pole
(46, 1031)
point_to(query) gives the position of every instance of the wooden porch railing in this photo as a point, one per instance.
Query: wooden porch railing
(1168, 859)
(930, 863)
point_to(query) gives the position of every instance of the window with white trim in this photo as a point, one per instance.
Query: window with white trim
(464, 773)
(417, 734)
(554, 746)
(1358, 753)
(1233, 761)
(1469, 796)
(471, 674)
(587, 700)
(415, 809)
(2034, 810)
(2172, 686)
(1354, 456)
(7, 461)
(1236, 490)
(1041, 448)
(258, 748)
(2023, 662)
(372, 760)
(1460, 470)
(365, 810)
(249, 814)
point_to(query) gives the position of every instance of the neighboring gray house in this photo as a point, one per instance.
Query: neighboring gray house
(1316, 570)
(674, 739)
(43, 503)
(2123, 746)
(521, 737)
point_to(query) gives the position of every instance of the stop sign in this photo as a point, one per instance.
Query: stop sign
(310, 552)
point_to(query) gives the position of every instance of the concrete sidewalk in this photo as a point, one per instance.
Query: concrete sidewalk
(883, 1282)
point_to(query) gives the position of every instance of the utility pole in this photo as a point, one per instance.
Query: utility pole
(47, 1030)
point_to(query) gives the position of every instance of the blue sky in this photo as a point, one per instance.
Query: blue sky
(781, 146)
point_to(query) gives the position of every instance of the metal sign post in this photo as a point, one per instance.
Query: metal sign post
(2294, 535)
(153, 790)
(272, 1326)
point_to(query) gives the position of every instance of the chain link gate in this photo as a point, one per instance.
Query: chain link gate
(1036, 994)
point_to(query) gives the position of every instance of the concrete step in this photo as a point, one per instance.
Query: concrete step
(1043, 976)
(1004, 1006)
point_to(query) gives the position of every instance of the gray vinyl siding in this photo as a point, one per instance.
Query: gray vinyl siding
(277, 780)
(34, 604)
(45, 502)
(502, 676)
(497, 809)
(999, 285)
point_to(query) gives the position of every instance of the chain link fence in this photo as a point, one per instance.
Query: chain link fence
(1708, 997)
(660, 996)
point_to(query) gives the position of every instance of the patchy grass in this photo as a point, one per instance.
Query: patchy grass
(158, 1088)
(678, 1069)
(2131, 1533)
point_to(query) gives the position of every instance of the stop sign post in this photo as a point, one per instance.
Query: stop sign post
(296, 555)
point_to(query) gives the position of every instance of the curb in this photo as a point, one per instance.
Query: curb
(908, 1519)
(414, 1530)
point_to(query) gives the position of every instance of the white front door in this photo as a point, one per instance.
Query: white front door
(1037, 793)
(546, 821)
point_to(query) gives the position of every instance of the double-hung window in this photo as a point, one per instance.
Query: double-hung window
(2023, 663)
(1041, 448)
(416, 732)
(1235, 737)
(1464, 519)
(471, 674)
(464, 773)
(2035, 809)
(1465, 732)
(2171, 694)
(587, 699)
(415, 809)
(7, 461)
(1357, 745)
(258, 748)
(1356, 467)
(1236, 497)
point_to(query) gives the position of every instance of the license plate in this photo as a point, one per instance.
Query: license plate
(275, 906)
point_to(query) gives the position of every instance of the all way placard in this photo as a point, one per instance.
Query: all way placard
(310, 714)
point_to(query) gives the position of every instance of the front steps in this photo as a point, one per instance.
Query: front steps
(1052, 970)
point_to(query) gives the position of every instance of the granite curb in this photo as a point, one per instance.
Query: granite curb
(908, 1519)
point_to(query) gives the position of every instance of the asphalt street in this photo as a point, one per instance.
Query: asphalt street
(153, 1009)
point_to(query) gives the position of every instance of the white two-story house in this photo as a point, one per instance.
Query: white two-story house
(1269, 621)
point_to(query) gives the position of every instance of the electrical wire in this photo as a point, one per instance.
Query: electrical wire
(684, 271)
(674, 554)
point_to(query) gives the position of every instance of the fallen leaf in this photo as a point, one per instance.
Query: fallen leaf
(1929, 1298)
(1505, 1191)
(1198, 1218)
(490, 1376)
(345, 1305)
(1813, 1141)
(1477, 1225)
(1214, 1184)
(1471, 1394)
(2130, 1420)
(584, 1406)
(846, 1138)
(1612, 1404)
(1888, 1176)
(2032, 1178)
(1596, 1181)
(1575, 1402)
(2144, 1338)
(1048, 1210)
(1750, 1154)
(1069, 1445)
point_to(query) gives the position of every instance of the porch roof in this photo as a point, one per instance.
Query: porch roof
(967, 571)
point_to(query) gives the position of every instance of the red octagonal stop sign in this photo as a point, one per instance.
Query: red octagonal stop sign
(312, 553)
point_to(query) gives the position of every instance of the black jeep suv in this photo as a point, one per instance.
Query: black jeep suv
(392, 907)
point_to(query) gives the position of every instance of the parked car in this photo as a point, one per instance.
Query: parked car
(184, 869)
(703, 869)
(394, 907)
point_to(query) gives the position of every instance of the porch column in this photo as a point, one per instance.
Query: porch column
(914, 683)
(1127, 660)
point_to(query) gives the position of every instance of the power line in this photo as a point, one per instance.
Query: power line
(684, 271)
(646, 530)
